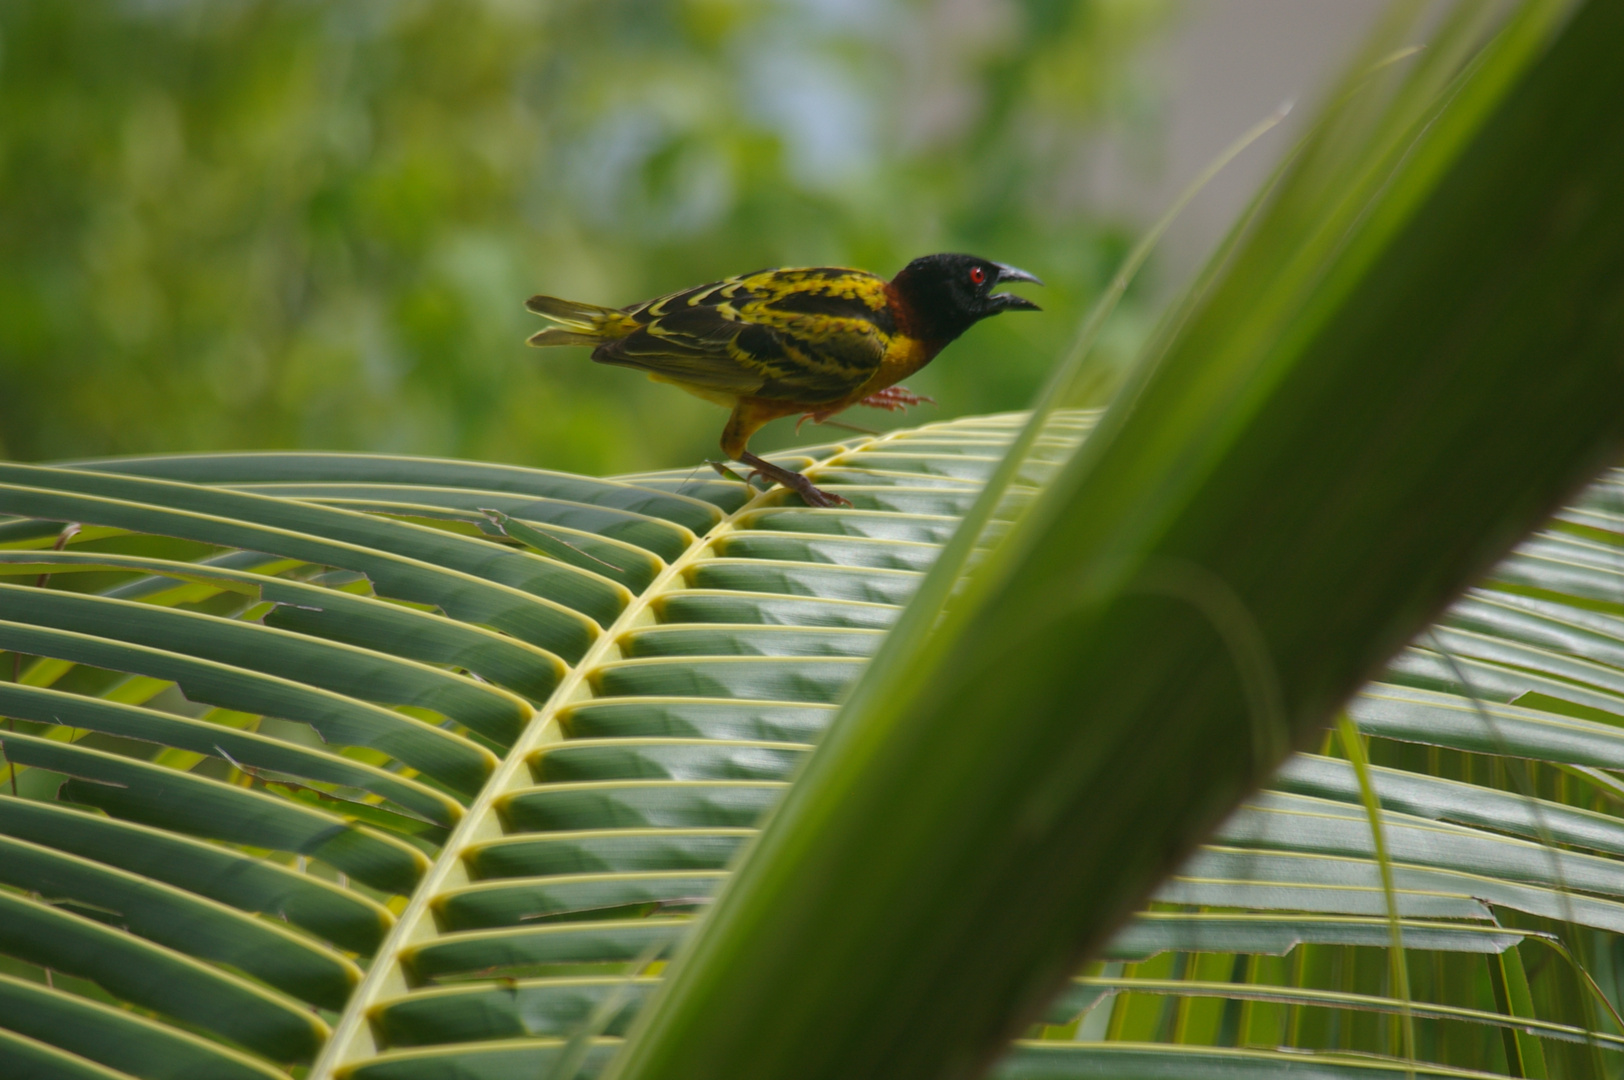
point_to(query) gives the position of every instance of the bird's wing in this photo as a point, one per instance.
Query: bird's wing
(804, 335)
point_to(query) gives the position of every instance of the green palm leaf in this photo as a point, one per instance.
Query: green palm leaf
(298, 711)
(617, 812)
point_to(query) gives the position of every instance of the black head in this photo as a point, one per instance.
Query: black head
(948, 294)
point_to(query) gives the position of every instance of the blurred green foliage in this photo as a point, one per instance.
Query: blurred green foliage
(313, 223)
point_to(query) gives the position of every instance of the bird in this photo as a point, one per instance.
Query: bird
(811, 340)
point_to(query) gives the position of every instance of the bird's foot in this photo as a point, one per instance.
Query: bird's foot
(814, 495)
(895, 399)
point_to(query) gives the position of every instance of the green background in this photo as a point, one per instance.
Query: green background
(313, 223)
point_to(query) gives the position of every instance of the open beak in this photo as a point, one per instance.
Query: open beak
(1009, 301)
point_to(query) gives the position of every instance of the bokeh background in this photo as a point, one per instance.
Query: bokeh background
(247, 224)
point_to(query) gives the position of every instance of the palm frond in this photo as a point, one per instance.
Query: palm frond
(235, 864)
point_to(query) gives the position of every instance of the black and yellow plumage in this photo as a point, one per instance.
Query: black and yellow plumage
(812, 340)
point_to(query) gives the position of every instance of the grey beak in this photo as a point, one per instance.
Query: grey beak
(1009, 301)
(1011, 273)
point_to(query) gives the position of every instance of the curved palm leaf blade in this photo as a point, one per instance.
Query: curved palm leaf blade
(195, 888)
(269, 715)
(1316, 455)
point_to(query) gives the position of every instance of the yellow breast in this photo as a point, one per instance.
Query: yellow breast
(903, 356)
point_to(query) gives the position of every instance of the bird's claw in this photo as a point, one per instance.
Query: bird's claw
(794, 481)
(816, 496)
(894, 399)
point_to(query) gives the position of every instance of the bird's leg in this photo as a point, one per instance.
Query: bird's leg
(843, 426)
(891, 399)
(895, 399)
(823, 418)
(797, 483)
(748, 417)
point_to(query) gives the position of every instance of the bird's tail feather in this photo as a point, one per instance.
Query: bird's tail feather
(557, 335)
(578, 323)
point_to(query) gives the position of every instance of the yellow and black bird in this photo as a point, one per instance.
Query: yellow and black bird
(812, 340)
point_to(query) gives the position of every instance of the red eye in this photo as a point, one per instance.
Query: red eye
(977, 275)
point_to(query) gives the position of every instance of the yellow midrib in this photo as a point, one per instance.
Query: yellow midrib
(352, 1036)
